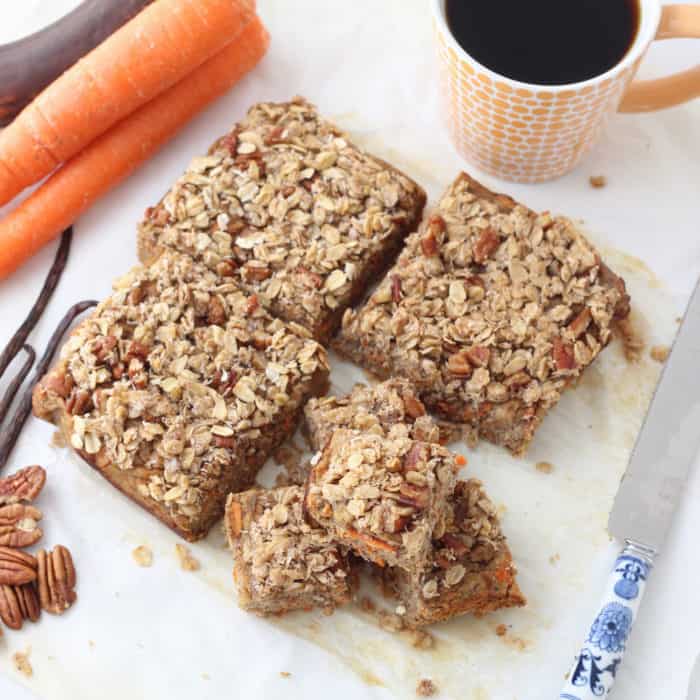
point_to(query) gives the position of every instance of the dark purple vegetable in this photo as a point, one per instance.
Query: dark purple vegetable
(28, 65)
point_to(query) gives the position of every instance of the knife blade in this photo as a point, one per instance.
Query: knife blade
(644, 506)
(667, 443)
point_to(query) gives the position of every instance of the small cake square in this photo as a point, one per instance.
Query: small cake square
(470, 568)
(178, 387)
(491, 310)
(281, 561)
(292, 211)
(390, 408)
(381, 497)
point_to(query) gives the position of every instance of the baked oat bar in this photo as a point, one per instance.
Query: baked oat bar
(281, 561)
(292, 211)
(470, 568)
(390, 409)
(491, 311)
(178, 387)
(381, 497)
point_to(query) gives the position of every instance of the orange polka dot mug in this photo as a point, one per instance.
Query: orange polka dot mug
(528, 133)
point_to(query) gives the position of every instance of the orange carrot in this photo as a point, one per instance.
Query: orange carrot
(118, 152)
(460, 460)
(148, 55)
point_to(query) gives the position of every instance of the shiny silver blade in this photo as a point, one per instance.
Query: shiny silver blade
(666, 445)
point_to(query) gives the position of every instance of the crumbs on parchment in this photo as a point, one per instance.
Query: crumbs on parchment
(187, 561)
(426, 688)
(20, 660)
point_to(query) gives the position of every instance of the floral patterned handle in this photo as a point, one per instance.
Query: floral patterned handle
(594, 669)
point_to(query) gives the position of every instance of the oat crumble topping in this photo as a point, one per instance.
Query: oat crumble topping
(468, 546)
(389, 409)
(179, 377)
(382, 497)
(281, 560)
(287, 207)
(491, 310)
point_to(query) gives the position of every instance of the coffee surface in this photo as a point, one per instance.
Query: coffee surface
(545, 42)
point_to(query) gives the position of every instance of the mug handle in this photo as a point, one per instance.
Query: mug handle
(677, 21)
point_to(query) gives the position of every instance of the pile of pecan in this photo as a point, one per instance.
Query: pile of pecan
(29, 583)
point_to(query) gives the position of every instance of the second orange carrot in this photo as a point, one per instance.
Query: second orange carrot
(117, 153)
(149, 54)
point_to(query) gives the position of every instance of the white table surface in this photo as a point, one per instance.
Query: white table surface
(369, 65)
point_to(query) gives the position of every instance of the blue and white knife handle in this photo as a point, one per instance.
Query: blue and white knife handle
(593, 673)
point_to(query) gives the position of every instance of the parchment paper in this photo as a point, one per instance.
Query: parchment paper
(162, 632)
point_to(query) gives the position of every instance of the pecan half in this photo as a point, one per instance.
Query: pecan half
(310, 278)
(455, 543)
(137, 350)
(216, 312)
(414, 407)
(24, 485)
(413, 456)
(56, 580)
(428, 244)
(254, 273)
(158, 215)
(28, 600)
(486, 245)
(10, 612)
(60, 383)
(396, 288)
(274, 136)
(563, 354)
(16, 567)
(252, 305)
(580, 323)
(417, 497)
(459, 365)
(80, 402)
(18, 525)
(103, 347)
(436, 225)
(478, 355)
(227, 268)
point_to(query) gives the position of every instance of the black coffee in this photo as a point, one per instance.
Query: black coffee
(545, 42)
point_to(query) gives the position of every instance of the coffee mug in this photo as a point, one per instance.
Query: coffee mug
(531, 133)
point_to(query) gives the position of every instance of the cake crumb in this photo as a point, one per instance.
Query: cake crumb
(519, 643)
(206, 677)
(597, 181)
(632, 340)
(426, 688)
(187, 561)
(544, 467)
(289, 457)
(143, 555)
(389, 621)
(420, 639)
(554, 559)
(20, 659)
(367, 605)
(501, 630)
(660, 353)
(91, 644)
(58, 439)
(285, 674)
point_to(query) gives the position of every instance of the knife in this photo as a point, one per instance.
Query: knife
(644, 506)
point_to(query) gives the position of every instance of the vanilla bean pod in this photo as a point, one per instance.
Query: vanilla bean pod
(16, 383)
(10, 435)
(52, 279)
